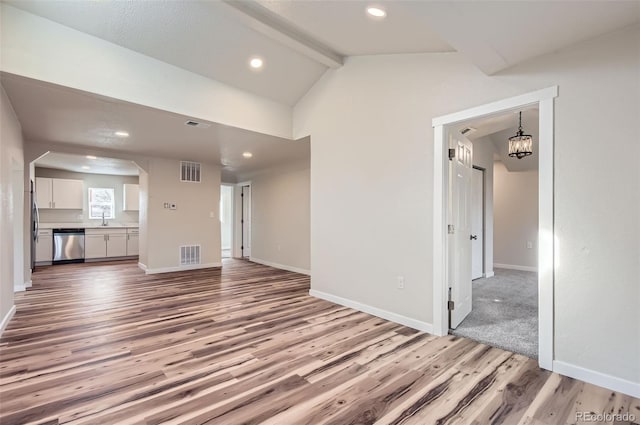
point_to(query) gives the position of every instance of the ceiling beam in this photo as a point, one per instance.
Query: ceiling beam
(272, 25)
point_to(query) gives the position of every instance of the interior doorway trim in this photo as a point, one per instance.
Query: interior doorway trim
(544, 98)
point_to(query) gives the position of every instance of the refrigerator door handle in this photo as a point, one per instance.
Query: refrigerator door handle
(36, 236)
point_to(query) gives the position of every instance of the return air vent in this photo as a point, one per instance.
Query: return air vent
(468, 130)
(189, 254)
(192, 123)
(189, 171)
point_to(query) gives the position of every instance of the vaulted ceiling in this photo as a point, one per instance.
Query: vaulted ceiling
(298, 40)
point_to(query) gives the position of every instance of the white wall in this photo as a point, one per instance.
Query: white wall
(38, 48)
(11, 205)
(515, 211)
(371, 185)
(280, 218)
(194, 222)
(90, 180)
(483, 151)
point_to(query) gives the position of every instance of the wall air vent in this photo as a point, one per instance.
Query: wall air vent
(189, 171)
(189, 255)
(192, 123)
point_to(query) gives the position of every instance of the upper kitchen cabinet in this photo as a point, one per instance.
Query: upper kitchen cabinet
(59, 193)
(131, 194)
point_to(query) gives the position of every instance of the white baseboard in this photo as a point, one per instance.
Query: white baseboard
(378, 312)
(19, 288)
(515, 267)
(281, 266)
(489, 274)
(597, 378)
(178, 268)
(6, 319)
(28, 284)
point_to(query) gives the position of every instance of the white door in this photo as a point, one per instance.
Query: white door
(460, 235)
(246, 221)
(477, 220)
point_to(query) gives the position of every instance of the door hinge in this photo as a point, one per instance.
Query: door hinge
(450, 305)
(451, 229)
(452, 153)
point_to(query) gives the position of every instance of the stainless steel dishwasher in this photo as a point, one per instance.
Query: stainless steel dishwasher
(68, 246)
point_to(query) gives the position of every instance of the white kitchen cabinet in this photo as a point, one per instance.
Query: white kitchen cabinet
(133, 239)
(105, 243)
(44, 192)
(95, 246)
(59, 193)
(117, 245)
(131, 195)
(44, 246)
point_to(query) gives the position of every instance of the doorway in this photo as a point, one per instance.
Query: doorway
(226, 220)
(504, 311)
(477, 222)
(443, 273)
(245, 221)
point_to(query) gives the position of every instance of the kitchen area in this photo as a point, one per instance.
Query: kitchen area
(84, 209)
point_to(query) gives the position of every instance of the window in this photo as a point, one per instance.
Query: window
(101, 201)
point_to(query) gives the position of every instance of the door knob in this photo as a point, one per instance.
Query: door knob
(473, 237)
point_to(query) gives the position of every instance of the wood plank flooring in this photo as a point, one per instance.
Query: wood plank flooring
(105, 344)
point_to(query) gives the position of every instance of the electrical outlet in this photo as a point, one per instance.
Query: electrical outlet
(400, 282)
(529, 245)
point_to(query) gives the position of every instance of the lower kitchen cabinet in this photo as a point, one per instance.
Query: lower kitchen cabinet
(132, 244)
(95, 246)
(117, 245)
(44, 246)
(107, 243)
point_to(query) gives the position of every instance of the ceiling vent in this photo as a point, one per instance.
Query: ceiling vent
(189, 255)
(192, 123)
(190, 171)
(468, 130)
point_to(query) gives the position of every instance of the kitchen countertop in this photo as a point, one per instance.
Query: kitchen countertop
(87, 226)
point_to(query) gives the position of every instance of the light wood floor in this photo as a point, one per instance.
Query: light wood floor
(103, 343)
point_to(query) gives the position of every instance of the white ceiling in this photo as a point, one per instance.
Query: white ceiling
(199, 36)
(99, 165)
(345, 26)
(298, 39)
(55, 114)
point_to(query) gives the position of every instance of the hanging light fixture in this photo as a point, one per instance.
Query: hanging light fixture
(521, 144)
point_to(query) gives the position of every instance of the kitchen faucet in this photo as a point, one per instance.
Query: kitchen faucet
(104, 223)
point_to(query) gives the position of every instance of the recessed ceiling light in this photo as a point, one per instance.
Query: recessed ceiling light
(122, 134)
(256, 63)
(84, 167)
(376, 12)
(247, 154)
(91, 157)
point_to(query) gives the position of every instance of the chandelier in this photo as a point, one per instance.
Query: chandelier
(521, 144)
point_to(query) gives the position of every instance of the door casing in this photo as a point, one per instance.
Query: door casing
(545, 100)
